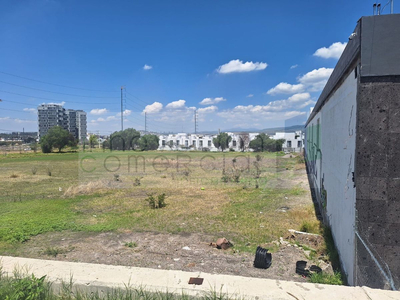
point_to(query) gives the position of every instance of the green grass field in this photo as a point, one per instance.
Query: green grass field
(234, 194)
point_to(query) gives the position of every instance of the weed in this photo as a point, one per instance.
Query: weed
(136, 182)
(116, 177)
(48, 171)
(34, 170)
(14, 175)
(324, 278)
(130, 244)
(330, 248)
(225, 178)
(156, 202)
(300, 159)
(310, 226)
(50, 251)
(258, 157)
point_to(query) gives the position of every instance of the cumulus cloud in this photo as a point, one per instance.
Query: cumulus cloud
(179, 104)
(208, 109)
(99, 111)
(126, 112)
(31, 110)
(56, 103)
(316, 79)
(286, 88)
(208, 101)
(147, 67)
(237, 65)
(333, 51)
(153, 108)
(313, 81)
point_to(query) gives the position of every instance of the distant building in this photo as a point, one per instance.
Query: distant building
(239, 141)
(294, 141)
(50, 115)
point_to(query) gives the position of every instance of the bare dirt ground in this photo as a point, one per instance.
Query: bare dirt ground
(187, 252)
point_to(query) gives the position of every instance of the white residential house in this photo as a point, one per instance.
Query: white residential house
(294, 141)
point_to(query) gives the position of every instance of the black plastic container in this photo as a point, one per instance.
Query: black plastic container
(263, 259)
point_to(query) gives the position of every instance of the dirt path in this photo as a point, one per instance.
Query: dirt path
(164, 251)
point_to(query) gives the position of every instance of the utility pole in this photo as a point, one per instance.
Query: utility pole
(195, 121)
(122, 109)
(145, 122)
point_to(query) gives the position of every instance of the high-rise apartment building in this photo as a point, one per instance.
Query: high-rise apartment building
(50, 115)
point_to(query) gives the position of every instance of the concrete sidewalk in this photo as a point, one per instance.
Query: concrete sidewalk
(90, 277)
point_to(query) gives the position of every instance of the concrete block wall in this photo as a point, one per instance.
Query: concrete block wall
(378, 183)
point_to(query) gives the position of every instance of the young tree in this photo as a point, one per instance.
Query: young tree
(148, 142)
(244, 140)
(56, 137)
(263, 142)
(92, 140)
(222, 141)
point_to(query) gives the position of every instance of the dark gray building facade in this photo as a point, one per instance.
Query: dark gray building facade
(50, 115)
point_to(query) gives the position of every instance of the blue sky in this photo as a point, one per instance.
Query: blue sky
(242, 64)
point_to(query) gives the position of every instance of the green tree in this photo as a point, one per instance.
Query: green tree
(57, 137)
(92, 140)
(124, 140)
(148, 142)
(222, 141)
(263, 142)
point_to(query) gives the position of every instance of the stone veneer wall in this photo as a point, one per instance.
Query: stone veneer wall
(377, 177)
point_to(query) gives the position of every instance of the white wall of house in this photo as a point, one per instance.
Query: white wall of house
(329, 136)
(294, 141)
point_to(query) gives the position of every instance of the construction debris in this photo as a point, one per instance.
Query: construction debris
(263, 259)
(222, 243)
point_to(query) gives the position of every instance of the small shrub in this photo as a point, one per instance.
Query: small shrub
(116, 177)
(14, 175)
(50, 251)
(136, 182)
(234, 160)
(310, 227)
(29, 288)
(130, 244)
(186, 173)
(231, 150)
(156, 202)
(225, 178)
(164, 176)
(34, 170)
(300, 159)
(258, 157)
(49, 171)
(324, 278)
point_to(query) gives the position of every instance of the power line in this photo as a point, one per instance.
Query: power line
(50, 99)
(54, 84)
(47, 91)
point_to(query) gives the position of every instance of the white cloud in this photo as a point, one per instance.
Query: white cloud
(237, 65)
(208, 109)
(333, 51)
(56, 103)
(316, 79)
(147, 67)
(249, 96)
(208, 101)
(179, 104)
(294, 67)
(126, 112)
(99, 111)
(286, 88)
(153, 108)
(32, 110)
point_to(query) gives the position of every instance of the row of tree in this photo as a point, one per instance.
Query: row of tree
(130, 139)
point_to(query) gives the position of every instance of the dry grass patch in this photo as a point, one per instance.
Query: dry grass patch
(91, 188)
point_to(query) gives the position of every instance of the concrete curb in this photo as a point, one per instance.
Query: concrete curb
(90, 277)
